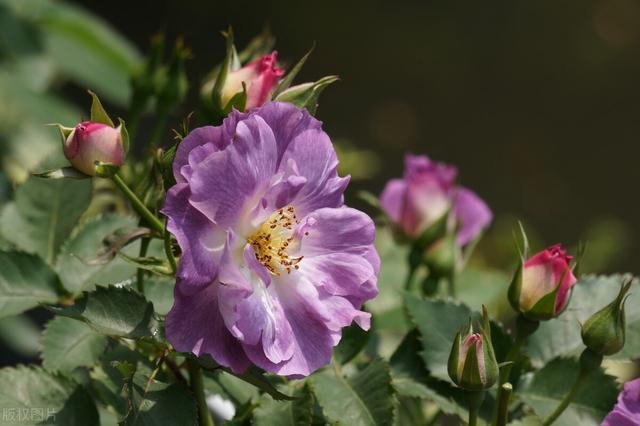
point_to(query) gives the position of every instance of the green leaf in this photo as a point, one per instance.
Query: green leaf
(149, 263)
(153, 402)
(74, 272)
(44, 213)
(235, 389)
(353, 340)
(108, 381)
(21, 334)
(114, 311)
(25, 281)
(257, 379)
(438, 322)
(271, 412)
(159, 291)
(476, 286)
(411, 379)
(561, 336)
(544, 390)
(98, 113)
(67, 344)
(40, 396)
(366, 398)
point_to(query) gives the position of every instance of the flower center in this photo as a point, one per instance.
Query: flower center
(273, 239)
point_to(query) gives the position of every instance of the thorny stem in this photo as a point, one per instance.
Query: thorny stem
(144, 246)
(138, 205)
(197, 387)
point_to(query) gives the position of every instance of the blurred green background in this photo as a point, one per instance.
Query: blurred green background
(538, 103)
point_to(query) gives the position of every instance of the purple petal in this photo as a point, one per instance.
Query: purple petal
(627, 411)
(201, 242)
(217, 137)
(393, 197)
(224, 183)
(194, 325)
(339, 255)
(286, 122)
(311, 155)
(427, 200)
(416, 165)
(472, 213)
(254, 315)
(312, 340)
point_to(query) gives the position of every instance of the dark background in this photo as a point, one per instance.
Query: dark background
(537, 102)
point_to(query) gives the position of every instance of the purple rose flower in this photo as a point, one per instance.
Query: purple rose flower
(627, 411)
(426, 193)
(273, 264)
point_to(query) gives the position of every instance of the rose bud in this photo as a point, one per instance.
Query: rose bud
(604, 332)
(472, 362)
(90, 142)
(426, 203)
(260, 78)
(542, 285)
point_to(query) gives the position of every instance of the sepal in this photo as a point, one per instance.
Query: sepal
(306, 95)
(604, 332)
(61, 173)
(98, 113)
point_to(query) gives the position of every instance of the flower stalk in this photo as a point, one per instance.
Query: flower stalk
(475, 399)
(152, 220)
(524, 328)
(589, 361)
(504, 397)
(197, 387)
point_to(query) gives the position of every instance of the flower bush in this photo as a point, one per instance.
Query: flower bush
(216, 275)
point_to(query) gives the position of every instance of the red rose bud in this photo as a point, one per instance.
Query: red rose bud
(90, 142)
(472, 362)
(260, 78)
(604, 331)
(542, 285)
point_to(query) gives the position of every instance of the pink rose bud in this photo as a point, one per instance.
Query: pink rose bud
(542, 286)
(472, 362)
(90, 142)
(260, 77)
(427, 195)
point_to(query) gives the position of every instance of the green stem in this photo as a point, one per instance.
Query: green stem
(503, 404)
(589, 361)
(197, 387)
(138, 205)
(524, 329)
(451, 282)
(413, 260)
(144, 246)
(475, 401)
(566, 400)
(409, 279)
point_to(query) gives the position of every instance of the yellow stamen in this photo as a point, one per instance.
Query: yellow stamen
(272, 239)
